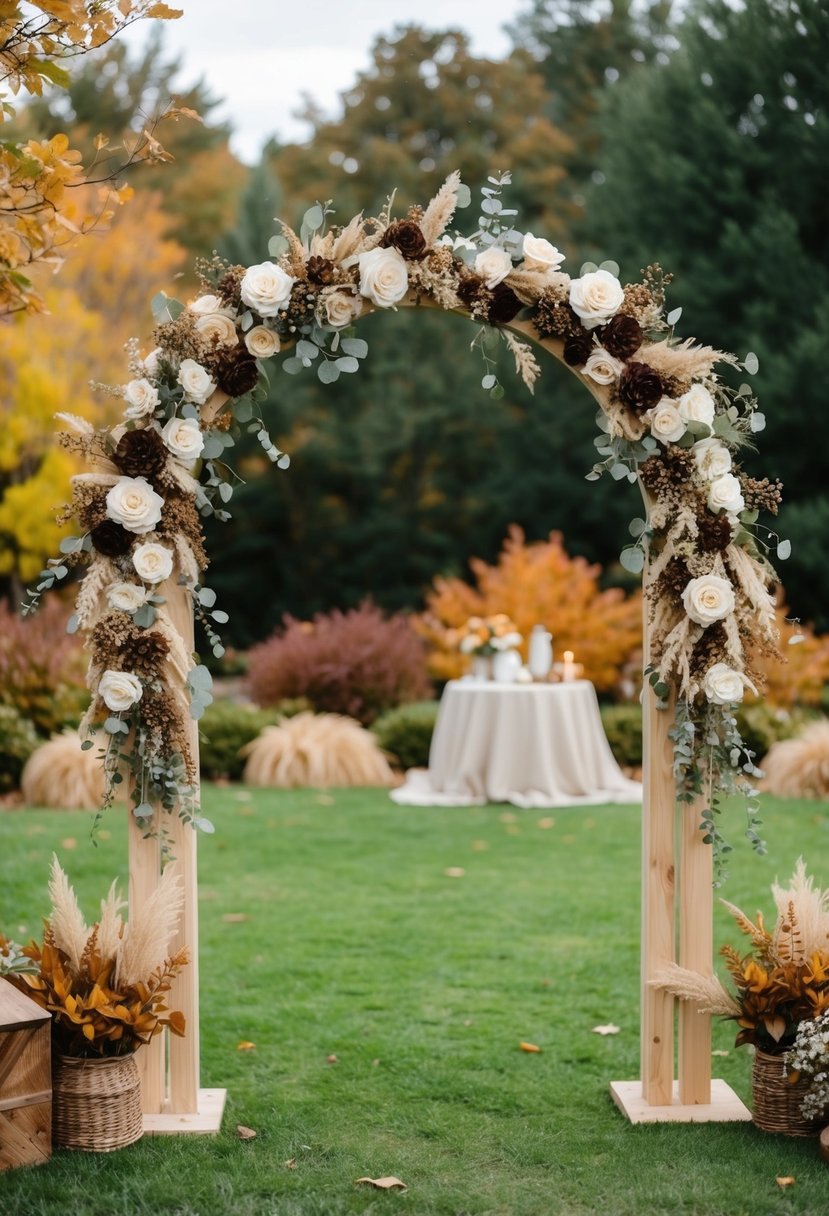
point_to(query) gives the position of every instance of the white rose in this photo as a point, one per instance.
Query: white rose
(261, 342)
(384, 278)
(152, 362)
(697, 405)
(338, 308)
(602, 367)
(141, 398)
(203, 305)
(540, 254)
(266, 288)
(216, 329)
(153, 562)
(120, 690)
(712, 457)
(596, 297)
(493, 265)
(469, 643)
(133, 503)
(195, 381)
(708, 598)
(723, 685)
(126, 597)
(666, 422)
(184, 439)
(724, 494)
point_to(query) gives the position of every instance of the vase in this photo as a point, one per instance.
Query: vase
(96, 1104)
(776, 1101)
(481, 667)
(540, 659)
(506, 665)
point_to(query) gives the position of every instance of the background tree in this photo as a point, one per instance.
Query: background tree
(715, 164)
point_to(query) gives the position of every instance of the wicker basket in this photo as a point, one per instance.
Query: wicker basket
(96, 1103)
(776, 1100)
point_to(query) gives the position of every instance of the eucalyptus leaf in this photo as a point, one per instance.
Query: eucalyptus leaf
(588, 268)
(87, 745)
(358, 347)
(213, 447)
(144, 616)
(292, 365)
(144, 810)
(220, 616)
(489, 381)
(313, 218)
(225, 491)
(328, 372)
(463, 195)
(674, 315)
(751, 363)
(611, 267)
(204, 825)
(207, 597)
(277, 245)
(70, 544)
(307, 350)
(618, 471)
(632, 559)
(72, 625)
(636, 527)
(284, 461)
(347, 363)
(243, 409)
(758, 421)
(784, 550)
(497, 392)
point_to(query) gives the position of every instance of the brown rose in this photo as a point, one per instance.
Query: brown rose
(111, 539)
(237, 373)
(504, 305)
(640, 387)
(406, 237)
(622, 336)
(577, 349)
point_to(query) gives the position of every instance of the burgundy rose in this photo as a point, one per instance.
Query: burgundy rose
(110, 539)
(622, 336)
(577, 349)
(406, 237)
(504, 305)
(640, 387)
(140, 453)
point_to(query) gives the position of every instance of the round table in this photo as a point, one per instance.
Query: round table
(534, 745)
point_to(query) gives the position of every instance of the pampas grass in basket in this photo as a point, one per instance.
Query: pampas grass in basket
(316, 750)
(60, 775)
(799, 768)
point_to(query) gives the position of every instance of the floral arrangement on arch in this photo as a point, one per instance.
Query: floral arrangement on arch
(667, 419)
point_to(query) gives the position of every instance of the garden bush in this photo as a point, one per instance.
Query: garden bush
(406, 733)
(358, 663)
(18, 740)
(228, 726)
(623, 727)
(42, 668)
(762, 725)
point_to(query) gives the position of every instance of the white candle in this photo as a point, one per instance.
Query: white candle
(569, 671)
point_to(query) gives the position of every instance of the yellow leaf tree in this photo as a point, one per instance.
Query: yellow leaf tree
(539, 583)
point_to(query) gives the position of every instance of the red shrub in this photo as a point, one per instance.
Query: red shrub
(358, 663)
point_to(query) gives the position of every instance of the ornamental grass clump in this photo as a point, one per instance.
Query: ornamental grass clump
(359, 663)
(106, 985)
(782, 982)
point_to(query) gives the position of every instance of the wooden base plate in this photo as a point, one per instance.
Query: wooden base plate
(724, 1107)
(206, 1121)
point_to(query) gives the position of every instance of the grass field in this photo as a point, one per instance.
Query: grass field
(357, 944)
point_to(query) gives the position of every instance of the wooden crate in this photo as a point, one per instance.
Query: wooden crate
(25, 1080)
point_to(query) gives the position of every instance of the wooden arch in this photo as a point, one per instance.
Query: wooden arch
(676, 910)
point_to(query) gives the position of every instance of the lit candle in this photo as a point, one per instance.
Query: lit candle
(569, 667)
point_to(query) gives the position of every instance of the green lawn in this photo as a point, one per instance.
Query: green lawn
(357, 944)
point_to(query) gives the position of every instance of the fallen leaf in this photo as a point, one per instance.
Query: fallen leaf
(480, 846)
(104, 834)
(531, 1047)
(507, 817)
(290, 1164)
(246, 1045)
(245, 1133)
(455, 872)
(784, 1182)
(608, 1029)
(513, 829)
(242, 795)
(69, 842)
(720, 1052)
(383, 1184)
(568, 840)
(234, 918)
(375, 1063)
(332, 1059)
(324, 800)
(546, 823)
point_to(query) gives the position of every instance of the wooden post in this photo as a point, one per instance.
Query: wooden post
(696, 934)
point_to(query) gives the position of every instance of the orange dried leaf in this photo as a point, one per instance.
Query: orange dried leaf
(332, 1059)
(608, 1029)
(246, 1045)
(530, 1047)
(290, 1164)
(245, 1133)
(784, 1182)
(384, 1184)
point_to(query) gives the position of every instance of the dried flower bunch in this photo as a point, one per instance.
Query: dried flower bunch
(483, 636)
(669, 419)
(809, 1058)
(782, 982)
(106, 986)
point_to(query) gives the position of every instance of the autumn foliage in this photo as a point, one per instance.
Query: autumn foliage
(800, 677)
(538, 583)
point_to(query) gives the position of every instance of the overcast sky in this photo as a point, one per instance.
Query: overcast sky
(261, 56)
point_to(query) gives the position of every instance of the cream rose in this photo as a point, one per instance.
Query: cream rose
(602, 367)
(266, 288)
(724, 494)
(126, 597)
(153, 562)
(708, 598)
(203, 305)
(338, 308)
(596, 297)
(120, 690)
(666, 422)
(216, 329)
(133, 503)
(261, 342)
(697, 405)
(723, 685)
(141, 398)
(184, 439)
(493, 265)
(540, 254)
(712, 458)
(384, 278)
(152, 362)
(195, 381)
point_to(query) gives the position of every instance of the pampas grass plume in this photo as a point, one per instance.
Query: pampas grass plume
(316, 750)
(58, 774)
(146, 938)
(799, 768)
(66, 920)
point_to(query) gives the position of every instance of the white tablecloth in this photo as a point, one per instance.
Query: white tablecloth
(534, 745)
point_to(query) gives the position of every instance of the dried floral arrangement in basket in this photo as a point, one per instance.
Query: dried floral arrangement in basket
(107, 985)
(669, 420)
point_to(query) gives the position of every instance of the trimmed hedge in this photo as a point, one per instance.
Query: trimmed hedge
(18, 739)
(623, 727)
(228, 726)
(406, 733)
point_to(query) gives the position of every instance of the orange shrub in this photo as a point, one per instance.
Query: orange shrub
(800, 678)
(538, 583)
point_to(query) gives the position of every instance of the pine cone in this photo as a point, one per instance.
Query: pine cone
(145, 654)
(640, 387)
(406, 237)
(140, 453)
(714, 532)
(577, 349)
(229, 287)
(504, 305)
(111, 539)
(320, 271)
(236, 372)
(622, 336)
(469, 289)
